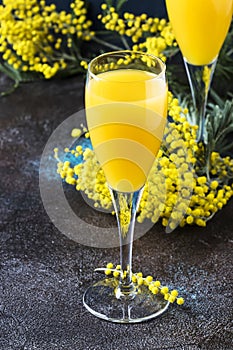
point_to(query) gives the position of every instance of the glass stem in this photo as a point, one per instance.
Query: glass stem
(126, 205)
(200, 78)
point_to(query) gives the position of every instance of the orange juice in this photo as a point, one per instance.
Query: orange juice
(126, 112)
(200, 27)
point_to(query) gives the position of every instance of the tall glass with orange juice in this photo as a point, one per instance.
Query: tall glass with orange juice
(200, 28)
(126, 109)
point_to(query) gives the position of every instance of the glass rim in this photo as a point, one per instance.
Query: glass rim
(157, 76)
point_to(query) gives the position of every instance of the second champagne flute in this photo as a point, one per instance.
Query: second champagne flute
(200, 28)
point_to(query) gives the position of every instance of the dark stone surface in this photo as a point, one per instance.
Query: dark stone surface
(43, 274)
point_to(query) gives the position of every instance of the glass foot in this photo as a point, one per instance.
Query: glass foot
(100, 299)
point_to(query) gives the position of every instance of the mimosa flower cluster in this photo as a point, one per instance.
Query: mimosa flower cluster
(157, 33)
(177, 191)
(35, 37)
(138, 279)
(37, 40)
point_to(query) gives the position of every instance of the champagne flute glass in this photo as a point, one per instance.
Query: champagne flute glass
(126, 108)
(200, 28)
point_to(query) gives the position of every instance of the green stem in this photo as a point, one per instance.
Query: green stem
(12, 88)
(67, 57)
(103, 32)
(104, 43)
(124, 41)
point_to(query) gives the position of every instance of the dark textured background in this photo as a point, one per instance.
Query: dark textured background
(43, 274)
